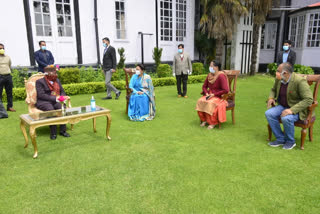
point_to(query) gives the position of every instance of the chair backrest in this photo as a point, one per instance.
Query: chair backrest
(31, 91)
(313, 79)
(232, 78)
(128, 74)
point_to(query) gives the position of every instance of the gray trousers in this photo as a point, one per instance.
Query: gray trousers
(109, 86)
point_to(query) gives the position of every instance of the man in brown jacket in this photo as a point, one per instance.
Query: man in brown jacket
(293, 95)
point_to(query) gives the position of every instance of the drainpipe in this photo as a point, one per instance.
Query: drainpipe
(97, 31)
(157, 28)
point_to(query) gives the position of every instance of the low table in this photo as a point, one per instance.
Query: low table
(58, 117)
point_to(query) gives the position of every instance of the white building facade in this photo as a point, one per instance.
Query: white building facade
(73, 29)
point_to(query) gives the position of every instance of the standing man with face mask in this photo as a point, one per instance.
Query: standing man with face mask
(182, 67)
(43, 57)
(287, 55)
(293, 95)
(6, 78)
(109, 67)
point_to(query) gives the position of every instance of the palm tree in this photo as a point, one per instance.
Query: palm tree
(219, 19)
(260, 8)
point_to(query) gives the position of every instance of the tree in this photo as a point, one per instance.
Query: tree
(219, 19)
(122, 58)
(157, 53)
(260, 9)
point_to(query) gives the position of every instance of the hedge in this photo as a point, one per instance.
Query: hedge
(301, 69)
(96, 87)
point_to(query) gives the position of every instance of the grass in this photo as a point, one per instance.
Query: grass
(168, 165)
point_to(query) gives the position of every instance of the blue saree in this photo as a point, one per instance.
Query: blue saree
(141, 107)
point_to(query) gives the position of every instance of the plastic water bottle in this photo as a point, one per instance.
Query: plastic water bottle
(93, 104)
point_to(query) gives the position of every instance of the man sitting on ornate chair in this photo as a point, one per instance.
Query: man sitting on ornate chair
(49, 90)
(293, 95)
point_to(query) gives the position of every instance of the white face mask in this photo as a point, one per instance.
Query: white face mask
(212, 70)
(138, 72)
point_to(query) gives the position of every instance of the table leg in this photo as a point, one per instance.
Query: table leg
(24, 132)
(108, 126)
(32, 132)
(94, 124)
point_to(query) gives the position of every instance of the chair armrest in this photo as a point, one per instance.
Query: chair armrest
(228, 95)
(313, 106)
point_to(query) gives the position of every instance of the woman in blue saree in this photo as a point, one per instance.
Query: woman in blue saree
(141, 105)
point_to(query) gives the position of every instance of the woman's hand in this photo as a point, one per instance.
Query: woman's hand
(140, 92)
(207, 94)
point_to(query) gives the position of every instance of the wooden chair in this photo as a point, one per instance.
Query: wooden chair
(230, 97)
(31, 92)
(308, 123)
(128, 74)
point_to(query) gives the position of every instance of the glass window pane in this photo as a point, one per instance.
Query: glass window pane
(68, 20)
(118, 25)
(66, 1)
(67, 10)
(61, 31)
(58, 0)
(46, 19)
(60, 20)
(68, 31)
(122, 6)
(47, 31)
(38, 18)
(45, 7)
(39, 30)
(117, 5)
(59, 9)
(36, 6)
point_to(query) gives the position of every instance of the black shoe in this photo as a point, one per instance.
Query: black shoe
(53, 137)
(107, 98)
(64, 134)
(118, 95)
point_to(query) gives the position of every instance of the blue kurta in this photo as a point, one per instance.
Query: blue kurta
(141, 106)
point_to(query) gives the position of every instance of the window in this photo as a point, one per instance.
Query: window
(120, 19)
(63, 8)
(297, 31)
(42, 18)
(268, 36)
(313, 39)
(181, 14)
(166, 20)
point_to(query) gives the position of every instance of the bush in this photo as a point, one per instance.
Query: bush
(91, 75)
(197, 68)
(69, 75)
(18, 76)
(157, 53)
(302, 69)
(272, 68)
(95, 87)
(118, 75)
(122, 58)
(164, 70)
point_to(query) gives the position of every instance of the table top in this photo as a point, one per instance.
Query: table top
(57, 114)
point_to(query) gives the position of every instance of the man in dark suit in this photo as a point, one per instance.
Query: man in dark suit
(43, 57)
(109, 67)
(49, 89)
(287, 55)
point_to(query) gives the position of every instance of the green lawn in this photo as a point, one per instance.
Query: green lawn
(168, 165)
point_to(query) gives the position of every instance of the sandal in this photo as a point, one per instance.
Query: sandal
(203, 124)
(210, 127)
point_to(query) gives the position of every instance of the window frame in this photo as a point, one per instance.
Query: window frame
(269, 29)
(313, 43)
(122, 22)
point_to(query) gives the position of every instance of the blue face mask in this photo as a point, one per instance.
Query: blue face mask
(285, 47)
(104, 45)
(180, 51)
(212, 70)
(43, 48)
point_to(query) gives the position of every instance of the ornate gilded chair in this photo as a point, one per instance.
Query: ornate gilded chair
(308, 123)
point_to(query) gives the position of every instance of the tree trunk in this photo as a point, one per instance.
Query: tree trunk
(255, 46)
(219, 50)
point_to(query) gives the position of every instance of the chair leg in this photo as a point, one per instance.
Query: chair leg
(72, 127)
(233, 118)
(303, 137)
(127, 107)
(269, 133)
(311, 133)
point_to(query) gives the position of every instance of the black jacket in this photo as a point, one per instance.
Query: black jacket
(44, 92)
(291, 57)
(110, 59)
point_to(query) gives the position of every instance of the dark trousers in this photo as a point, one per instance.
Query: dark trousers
(6, 82)
(184, 78)
(48, 106)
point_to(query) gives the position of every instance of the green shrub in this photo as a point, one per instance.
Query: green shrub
(164, 70)
(157, 53)
(272, 68)
(122, 58)
(18, 76)
(302, 69)
(69, 75)
(91, 75)
(197, 68)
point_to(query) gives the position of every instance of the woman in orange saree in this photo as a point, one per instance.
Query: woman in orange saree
(211, 108)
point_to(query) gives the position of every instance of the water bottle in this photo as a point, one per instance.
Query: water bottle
(93, 104)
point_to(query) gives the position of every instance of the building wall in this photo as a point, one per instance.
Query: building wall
(302, 3)
(13, 32)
